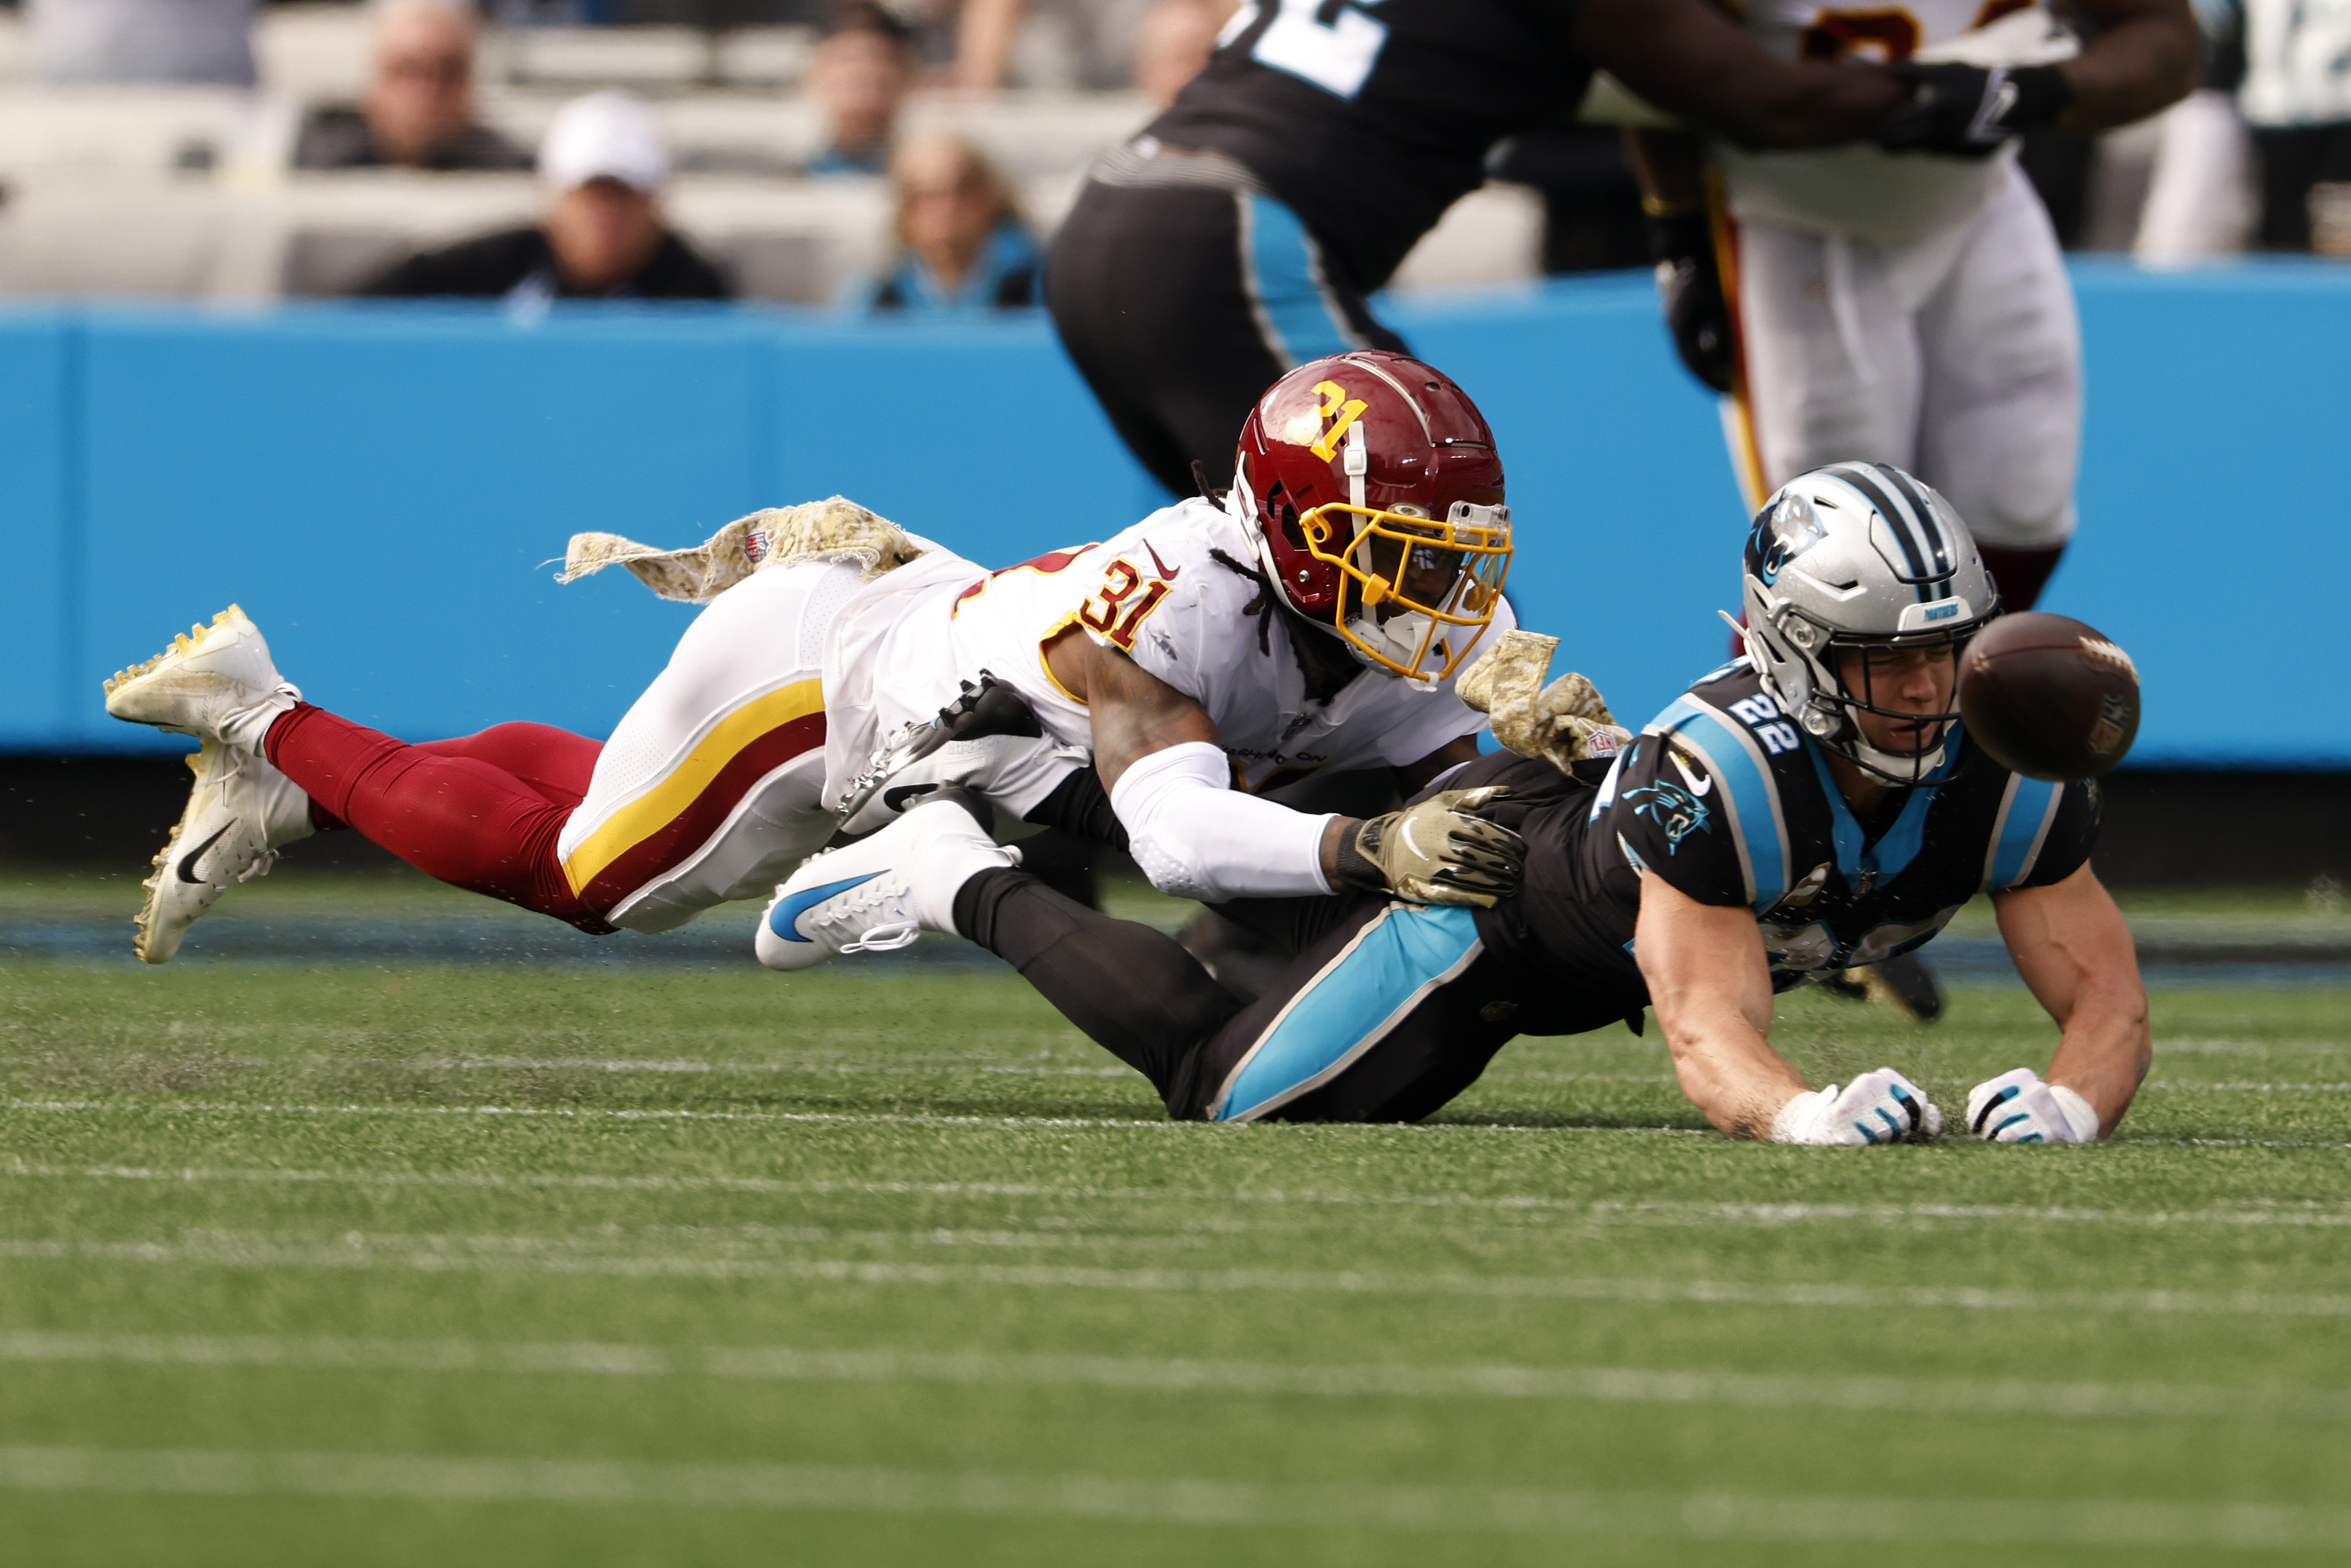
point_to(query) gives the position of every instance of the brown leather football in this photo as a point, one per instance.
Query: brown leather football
(2049, 696)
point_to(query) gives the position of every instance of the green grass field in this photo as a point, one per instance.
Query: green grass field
(374, 1261)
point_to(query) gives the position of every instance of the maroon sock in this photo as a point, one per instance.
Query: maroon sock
(456, 817)
(2019, 574)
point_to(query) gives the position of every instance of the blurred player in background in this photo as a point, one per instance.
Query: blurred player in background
(1241, 234)
(1907, 302)
(1199, 655)
(1815, 808)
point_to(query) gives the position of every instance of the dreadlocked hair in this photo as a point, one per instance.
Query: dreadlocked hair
(1260, 608)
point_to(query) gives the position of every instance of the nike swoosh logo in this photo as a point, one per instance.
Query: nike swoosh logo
(188, 862)
(1166, 572)
(1697, 785)
(785, 920)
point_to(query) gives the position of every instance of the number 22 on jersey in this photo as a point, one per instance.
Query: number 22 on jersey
(1333, 44)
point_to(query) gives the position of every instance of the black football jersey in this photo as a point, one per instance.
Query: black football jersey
(1368, 118)
(1730, 802)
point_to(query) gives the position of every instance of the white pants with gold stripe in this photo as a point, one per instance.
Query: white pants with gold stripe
(1957, 356)
(711, 789)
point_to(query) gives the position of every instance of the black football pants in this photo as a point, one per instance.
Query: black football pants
(1377, 1018)
(1181, 304)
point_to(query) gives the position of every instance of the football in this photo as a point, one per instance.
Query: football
(2049, 696)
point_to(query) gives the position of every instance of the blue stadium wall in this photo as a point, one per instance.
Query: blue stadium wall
(382, 488)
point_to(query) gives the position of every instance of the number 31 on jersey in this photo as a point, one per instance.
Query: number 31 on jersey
(1108, 611)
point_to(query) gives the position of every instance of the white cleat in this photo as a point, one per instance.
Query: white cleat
(880, 892)
(215, 683)
(239, 812)
(1005, 767)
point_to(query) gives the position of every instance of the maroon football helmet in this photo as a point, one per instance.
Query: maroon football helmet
(1374, 493)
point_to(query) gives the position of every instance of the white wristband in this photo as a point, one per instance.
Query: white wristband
(1798, 1121)
(2079, 1115)
(1196, 836)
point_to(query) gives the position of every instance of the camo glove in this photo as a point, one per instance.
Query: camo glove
(1437, 852)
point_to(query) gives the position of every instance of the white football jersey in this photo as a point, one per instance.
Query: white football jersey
(1858, 191)
(1158, 592)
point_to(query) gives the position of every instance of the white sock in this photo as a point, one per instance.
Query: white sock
(952, 860)
(248, 728)
(286, 808)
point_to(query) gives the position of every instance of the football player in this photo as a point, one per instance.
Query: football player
(1906, 302)
(1812, 806)
(1315, 621)
(1241, 233)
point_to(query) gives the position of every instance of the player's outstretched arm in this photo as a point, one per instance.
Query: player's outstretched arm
(2146, 56)
(1196, 837)
(2074, 948)
(1691, 58)
(1712, 989)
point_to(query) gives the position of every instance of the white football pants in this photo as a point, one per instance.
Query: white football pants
(1957, 356)
(711, 787)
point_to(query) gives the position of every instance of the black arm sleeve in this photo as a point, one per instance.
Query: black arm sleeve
(1079, 805)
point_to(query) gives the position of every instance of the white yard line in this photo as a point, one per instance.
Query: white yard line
(1604, 1385)
(2251, 1088)
(547, 1255)
(914, 1065)
(2249, 1211)
(245, 1108)
(566, 1112)
(1187, 1500)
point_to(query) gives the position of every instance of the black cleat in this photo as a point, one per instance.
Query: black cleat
(1905, 984)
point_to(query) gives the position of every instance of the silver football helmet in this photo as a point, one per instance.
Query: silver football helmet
(1858, 555)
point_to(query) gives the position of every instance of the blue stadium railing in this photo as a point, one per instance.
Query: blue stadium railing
(382, 488)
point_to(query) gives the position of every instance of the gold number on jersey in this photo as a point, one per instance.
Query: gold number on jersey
(1101, 612)
(1882, 35)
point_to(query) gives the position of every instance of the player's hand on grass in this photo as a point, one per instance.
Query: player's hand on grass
(2018, 1108)
(1436, 852)
(1689, 291)
(1880, 1107)
(1969, 112)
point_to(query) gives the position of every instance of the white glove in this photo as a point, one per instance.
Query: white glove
(2018, 1108)
(1880, 1107)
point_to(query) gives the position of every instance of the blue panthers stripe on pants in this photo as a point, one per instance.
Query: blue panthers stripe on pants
(1349, 1006)
(1282, 267)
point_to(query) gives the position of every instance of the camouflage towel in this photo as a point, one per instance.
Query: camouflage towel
(1563, 723)
(834, 530)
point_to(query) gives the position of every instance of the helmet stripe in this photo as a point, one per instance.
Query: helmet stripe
(1929, 525)
(1898, 522)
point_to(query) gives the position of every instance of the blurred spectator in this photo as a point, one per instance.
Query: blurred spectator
(1174, 41)
(419, 109)
(2298, 96)
(961, 246)
(859, 76)
(602, 237)
(202, 41)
